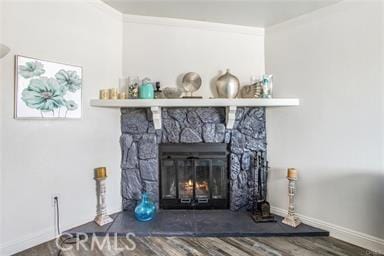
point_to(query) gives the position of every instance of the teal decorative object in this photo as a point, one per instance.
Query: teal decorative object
(145, 210)
(146, 91)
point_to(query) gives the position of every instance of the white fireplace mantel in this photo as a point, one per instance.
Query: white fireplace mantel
(230, 104)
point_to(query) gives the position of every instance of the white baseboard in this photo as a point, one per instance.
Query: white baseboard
(372, 243)
(36, 238)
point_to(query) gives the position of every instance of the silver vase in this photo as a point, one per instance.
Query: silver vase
(227, 85)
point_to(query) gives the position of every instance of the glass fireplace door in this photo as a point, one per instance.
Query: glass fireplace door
(219, 179)
(186, 180)
(169, 179)
(194, 176)
(202, 180)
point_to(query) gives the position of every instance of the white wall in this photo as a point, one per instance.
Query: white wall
(41, 158)
(164, 49)
(332, 60)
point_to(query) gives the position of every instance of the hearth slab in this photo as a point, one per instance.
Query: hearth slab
(93, 228)
(197, 223)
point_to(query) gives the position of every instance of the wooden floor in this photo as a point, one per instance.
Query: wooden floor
(239, 246)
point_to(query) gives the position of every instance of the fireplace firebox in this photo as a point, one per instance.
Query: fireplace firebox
(194, 176)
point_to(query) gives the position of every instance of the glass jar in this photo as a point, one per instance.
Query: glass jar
(133, 87)
(146, 91)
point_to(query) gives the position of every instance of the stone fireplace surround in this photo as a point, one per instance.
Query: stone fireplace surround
(140, 146)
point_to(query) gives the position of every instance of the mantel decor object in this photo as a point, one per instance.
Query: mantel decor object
(113, 93)
(172, 92)
(267, 86)
(133, 87)
(146, 89)
(253, 90)
(227, 85)
(158, 93)
(291, 219)
(104, 94)
(102, 217)
(123, 88)
(191, 83)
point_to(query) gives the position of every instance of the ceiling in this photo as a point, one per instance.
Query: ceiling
(258, 13)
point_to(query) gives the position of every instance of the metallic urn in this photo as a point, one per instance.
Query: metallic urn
(227, 85)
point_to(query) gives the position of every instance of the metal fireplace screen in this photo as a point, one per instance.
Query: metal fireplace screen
(194, 176)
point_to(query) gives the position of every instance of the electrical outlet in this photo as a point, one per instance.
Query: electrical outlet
(53, 197)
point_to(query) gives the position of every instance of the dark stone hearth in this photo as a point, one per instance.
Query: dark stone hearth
(140, 144)
(197, 223)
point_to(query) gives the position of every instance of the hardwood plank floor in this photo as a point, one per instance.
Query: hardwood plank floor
(203, 246)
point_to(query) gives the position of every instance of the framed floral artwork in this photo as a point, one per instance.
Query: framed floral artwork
(47, 90)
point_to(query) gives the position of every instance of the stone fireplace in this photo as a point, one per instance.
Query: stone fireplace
(141, 143)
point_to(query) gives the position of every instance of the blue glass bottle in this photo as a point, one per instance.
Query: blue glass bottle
(145, 210)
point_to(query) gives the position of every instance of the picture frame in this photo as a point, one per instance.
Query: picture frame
(47, 90)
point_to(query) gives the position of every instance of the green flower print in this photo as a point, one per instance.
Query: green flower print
(69, 79)
(71, 105)
(44, 94)
(31, 69)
